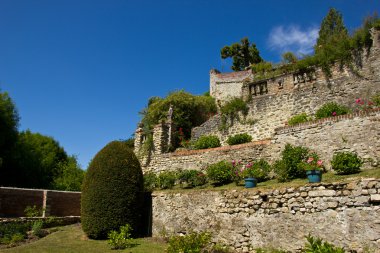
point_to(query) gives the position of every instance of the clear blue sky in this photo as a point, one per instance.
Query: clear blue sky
(80, 71)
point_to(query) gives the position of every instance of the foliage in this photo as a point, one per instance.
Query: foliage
(150, 181)
(317, 245)
(289, 57)
(192, 178)
(312, 163)
(166, 179)
(376, 99)
(220, 173)
(239, 139)
(33, 211)
(206, 141)
(230, 110)
(345, 163)
(130, 142)
(260, 170)
(291, 164)
(188, 111)
(71, 177)
(236, 171)
(299, 118)
(122, 239)
(8, 131)
(112, 191)
(243, 54)
(190, 243)
(13, 232)
(331, 109)
(364, 104)
(37, 228)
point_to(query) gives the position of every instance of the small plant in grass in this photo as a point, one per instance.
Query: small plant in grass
(192, 178)
(239, 139)
(317, 245)
(297, 119)
(345, 163)
(220, 173)
(166, 179)
(37, 228)
(150, 181)
(190, 243)
(207, 141)
(331, 109)
(122, 239)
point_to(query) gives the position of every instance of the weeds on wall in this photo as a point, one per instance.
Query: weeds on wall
(230, 112)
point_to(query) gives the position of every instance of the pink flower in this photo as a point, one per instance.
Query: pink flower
(334, 114)
(233, 163)
(249, 165)
(358, 100)
(310, 159)
(319, 163)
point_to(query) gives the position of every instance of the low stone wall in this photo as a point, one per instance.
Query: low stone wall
(13, 202)
(200, 159)
(346, 214)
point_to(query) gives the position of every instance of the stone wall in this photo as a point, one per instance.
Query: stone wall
(346, 214)
(13, 202)
(358, 132)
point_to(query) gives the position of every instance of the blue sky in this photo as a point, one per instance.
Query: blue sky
(80, 71)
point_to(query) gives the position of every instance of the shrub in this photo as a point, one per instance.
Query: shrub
(207, 141)
(33, 211)
(376, 99)
(122, 239)
(317, 245)
(192, 178)
(291, 164)
(111, 191)
(345, 163)
(297, 119)
(37, 228)
(191, 243)
(331, 109)
(261, 170)
(239, 139)
(230, 110)
(12, 230)
(220, 173)
(166, 179)
(150, 181)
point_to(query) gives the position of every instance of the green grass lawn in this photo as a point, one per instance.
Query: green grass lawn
(71, 239)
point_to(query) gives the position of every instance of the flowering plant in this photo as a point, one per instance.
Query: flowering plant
(362, 104)
(237, 170)
(313, 163)
(248, 170)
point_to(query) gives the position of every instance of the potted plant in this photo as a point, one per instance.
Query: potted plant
(248, 174)
(314, 167)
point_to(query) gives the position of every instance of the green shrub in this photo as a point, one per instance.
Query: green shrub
(122, 239)
(37, 228)
(230, 110)
(291, 164)
(220, 173)
(331, 109)
(191, 243)
(376, 99)
(297, 119)
(345, 163)
(150, 181)
(317, 245)
(166, 179)
(207, 141)
(261, 170)
(33, 211)
(192, 178)
(239, 139)
(13, 229)
(112, 191)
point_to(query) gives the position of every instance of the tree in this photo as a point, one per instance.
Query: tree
(8, 130)
(332, 30)
(71, 176)
(243, 54)
(35, 161)
(112, 191)
(289, 57)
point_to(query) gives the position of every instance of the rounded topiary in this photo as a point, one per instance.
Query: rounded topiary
(112, 191)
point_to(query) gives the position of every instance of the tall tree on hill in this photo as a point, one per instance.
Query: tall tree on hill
(243, 54)
(331, 31)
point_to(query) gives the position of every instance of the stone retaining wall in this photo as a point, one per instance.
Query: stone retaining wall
(346, 214)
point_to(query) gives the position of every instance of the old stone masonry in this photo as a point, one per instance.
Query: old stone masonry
(346, 214)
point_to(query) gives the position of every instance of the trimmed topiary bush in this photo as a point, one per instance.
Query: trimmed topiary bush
(220, 173)
(239, 139)
(345, 163)
(112, 191)
(207, 141)
(331, 109)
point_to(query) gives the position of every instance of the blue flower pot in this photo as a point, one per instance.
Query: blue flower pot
(314, 176)
(250, 182)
